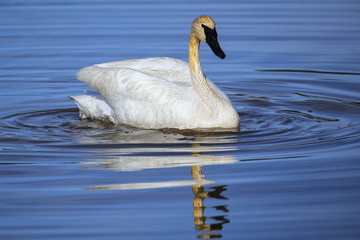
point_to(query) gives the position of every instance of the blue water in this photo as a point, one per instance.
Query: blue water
(292, 72)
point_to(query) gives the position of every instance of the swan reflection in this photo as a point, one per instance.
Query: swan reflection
(129, 163)
(200, 194)
(209, 226)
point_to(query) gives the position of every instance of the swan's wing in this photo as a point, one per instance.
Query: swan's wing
(171, 69)
(131, 84)
(141, 99)
(94, 107)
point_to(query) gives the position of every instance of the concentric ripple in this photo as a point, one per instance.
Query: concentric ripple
(265, 123)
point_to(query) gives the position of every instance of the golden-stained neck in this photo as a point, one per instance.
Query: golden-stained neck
(194, 59)
(199, 80)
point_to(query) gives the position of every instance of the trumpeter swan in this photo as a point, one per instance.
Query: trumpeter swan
(156, 93)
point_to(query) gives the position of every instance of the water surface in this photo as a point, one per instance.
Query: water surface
(291, 172)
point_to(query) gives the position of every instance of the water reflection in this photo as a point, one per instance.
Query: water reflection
(97, 132)
(208, 226)
(134, 157)
(209, 230)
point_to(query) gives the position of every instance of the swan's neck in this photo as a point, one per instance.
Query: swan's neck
(198, 78)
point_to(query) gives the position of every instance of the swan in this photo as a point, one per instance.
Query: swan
(161, 92)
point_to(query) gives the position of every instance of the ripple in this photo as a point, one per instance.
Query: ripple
(266, 124)
(259, 122)
(309, 116)
(52, 122)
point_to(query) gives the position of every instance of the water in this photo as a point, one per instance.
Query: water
(292, 172)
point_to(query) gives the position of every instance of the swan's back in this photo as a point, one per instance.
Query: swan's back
(149, 79)
(170, 69)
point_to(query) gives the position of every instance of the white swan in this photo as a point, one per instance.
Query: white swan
(156, 93)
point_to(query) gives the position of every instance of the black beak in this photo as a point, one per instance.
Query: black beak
(211, 39)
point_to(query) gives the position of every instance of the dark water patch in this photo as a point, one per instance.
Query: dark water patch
(309, 116)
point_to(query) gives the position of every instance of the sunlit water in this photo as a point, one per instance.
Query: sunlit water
(292, 172)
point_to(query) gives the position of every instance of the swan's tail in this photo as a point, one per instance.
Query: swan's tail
(94, 107)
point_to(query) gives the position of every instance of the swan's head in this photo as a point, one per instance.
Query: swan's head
(204, 29)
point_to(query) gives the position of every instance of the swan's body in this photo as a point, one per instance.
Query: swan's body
(157, 93)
